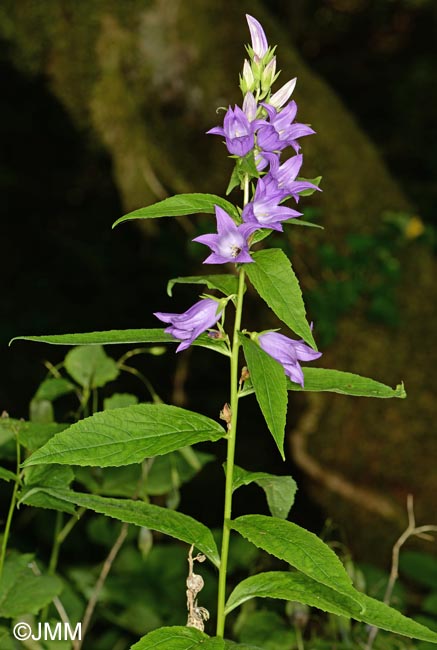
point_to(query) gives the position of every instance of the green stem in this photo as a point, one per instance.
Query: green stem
(11, 509)
(299, 638)
(232, 435)
(230, 458)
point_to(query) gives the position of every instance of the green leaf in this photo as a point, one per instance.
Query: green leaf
(300, 548)
(6, 640)
(268, 380)
(280, 490)
(40, 477)
(119, 400)
(267, 629)
(337, 381)
(345, 383)
(21, 591)
(145, 515)
(33, 435)
(123, 336)
(179, 205)
(91, 367)
(6, 475)
(127, 435)
(292, 586)
(298, 587)
(275, 281)
(225, 283)
(178, 638)
(52, 388)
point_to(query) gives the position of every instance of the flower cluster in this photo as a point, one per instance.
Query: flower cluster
(256, 135)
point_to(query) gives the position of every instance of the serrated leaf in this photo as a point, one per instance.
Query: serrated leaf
(275, 281)
(300, 548)
(111, 337)
(345, 383)
(337, 381)
(280, 490)
(6, 475)
(225, 283)
(127, 435)
(180, 205)
(91, 367)
(40, 477)
(145, 515)
(268, 380)
(298, 587)
(178, 638)
(21, 591)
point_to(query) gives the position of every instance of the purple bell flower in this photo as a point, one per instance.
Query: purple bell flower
(283, 177)
(264, 210)
(288, 352)
(230, 243)
(259, 39)
(238, 131)
(190, 324)
(280, 130)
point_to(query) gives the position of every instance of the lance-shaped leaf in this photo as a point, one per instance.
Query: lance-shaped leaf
(178, 638)
(225, 283)
(127, 435)
(280, 490)
(156, 335)
(275, 281)
(146, 515)
(40, 477)
(300, 548)
(21, 591)
(298, 587)
(268, 381)
(345, 383)
(180, 205)
(337, 381)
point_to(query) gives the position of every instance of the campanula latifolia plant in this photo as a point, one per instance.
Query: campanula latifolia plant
(264, 140)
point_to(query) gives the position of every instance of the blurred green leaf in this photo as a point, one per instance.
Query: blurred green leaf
(91, 367)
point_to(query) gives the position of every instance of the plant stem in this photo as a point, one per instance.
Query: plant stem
(11, 509)
(232, 435)
(230, 458)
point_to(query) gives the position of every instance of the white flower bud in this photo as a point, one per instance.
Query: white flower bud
(283, 94)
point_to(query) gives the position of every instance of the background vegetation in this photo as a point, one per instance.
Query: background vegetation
(106, 108)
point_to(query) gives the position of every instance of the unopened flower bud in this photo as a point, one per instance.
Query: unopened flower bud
(247, 80)
(259, 40)
(250, 106)
(268, 75)
(283, 94)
